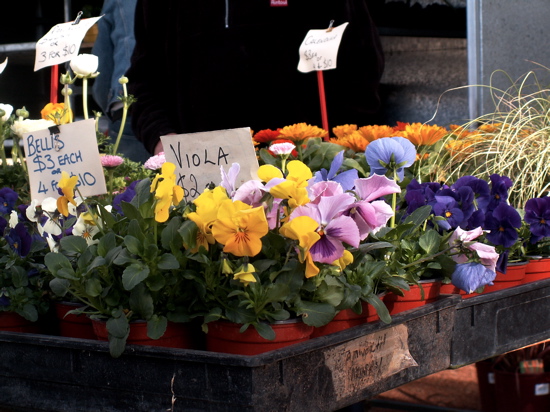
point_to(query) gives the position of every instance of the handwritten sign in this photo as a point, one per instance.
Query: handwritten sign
(319, 49)
(362, 362)
(3, 65)
(62, 43)
(198, 157)
(72, 150)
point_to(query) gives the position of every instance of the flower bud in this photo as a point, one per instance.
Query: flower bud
(7, 110)
(123, 80)
(84, 65)
(22, 113)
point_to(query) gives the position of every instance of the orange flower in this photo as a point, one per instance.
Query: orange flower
(57, 113)
(344, 130)
(400, 126)
(299, 132)
(424, 134)
(374, 132)
(355, 141)
(490, 128)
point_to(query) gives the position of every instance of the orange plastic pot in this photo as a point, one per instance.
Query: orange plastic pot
(177, 335)
(413, 297)
(450, 289)
(71, 325)
(346, 319)
(225, 337)
(13, 322)
(515, 273)
(537, 269)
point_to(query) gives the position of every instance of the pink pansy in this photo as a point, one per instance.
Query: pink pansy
(250, 192)
(374, 187)
(487, 254)
(229, 178)
(155, 162)
(370, 216)
(334, 227)
(111, 161)
(324, 188)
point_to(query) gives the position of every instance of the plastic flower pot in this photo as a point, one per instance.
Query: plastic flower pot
(225, 337)
(413, 297)
(522, 392)
(538, 268)
(515, 273)
(450, 289)
(346, 319)
(177, 335)
(71, 325)
(13, 322)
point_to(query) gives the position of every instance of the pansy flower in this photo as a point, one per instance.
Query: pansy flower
(304, 230)
(390, 155)
(499, 191)
(20, 240)
(346, 178)
(67, 185)
(8, 197)
(503, 223)
(537, 216)
(470, 276)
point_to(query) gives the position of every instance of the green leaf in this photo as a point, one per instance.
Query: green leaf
(107, 217)
(143, 194)
(316, 314)
(94, 287)
(380, 307)
(267, 157)
(277, 292)
(141, 302)
(155, 282)
(156, 326)
(117, 345)
(134, 245)
(118, 327)
(59, 287)
(170, 235)
(59, 265)
(134, 229)
(106, 243)
(265, 330)
(19, 277)
(75, 244)
(330, 291)
(29, 312)
(188, 232)
(133, 275)
(430, 241)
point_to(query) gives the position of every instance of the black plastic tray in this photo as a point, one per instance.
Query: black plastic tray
(500, 321)
(48, 373)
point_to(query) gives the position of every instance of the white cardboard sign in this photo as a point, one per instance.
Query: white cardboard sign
(62, 43)
(319, 49)
(72, 150)
(198, 157)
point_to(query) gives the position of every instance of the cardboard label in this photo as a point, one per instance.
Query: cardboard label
(73, 150)
(62, 43)
(362, 362)
(319, 49)
(198, 157)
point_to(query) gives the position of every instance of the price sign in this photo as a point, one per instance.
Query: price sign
(62, 43)
(319, 49)
(71, 148)
(199, 156)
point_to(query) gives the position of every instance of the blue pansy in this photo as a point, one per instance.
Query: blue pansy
(390, 155)
(470, 276)
(346, 178)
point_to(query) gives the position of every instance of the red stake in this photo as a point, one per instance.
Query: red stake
(54, 81)
(323, 101)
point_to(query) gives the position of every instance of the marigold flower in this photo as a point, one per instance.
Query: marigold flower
(301, 131)
(266, 136)
(375, 132)
(354, 141)
(344, 130)
(423, 134)
(240, 228)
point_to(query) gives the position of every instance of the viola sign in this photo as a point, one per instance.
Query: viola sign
(70, 148)
(199, 156)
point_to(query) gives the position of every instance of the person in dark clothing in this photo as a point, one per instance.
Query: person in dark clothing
(212, 64)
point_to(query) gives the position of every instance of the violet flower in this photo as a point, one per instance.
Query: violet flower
(8, 197)
(503, 223)
(537, 216)
(20, 240)
(345, 178)
(499, 191)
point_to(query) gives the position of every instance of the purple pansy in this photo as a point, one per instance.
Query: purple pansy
(125, 196)
(502, 223)
(8, 197)
(20, 240)
(537, 216)
(390, 154)
(447, 207)
(499, 191)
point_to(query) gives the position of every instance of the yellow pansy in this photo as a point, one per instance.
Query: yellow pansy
(345, 260)
(207, 206)
(240, 228)
(245, 274)
(67, 185)
(268, 172)
(167, 193)
(304, 230)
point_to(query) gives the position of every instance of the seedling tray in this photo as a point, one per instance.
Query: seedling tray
(48, 373)
(498, 322)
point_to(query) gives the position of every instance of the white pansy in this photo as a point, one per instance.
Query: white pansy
(84, 65)
(86, 230)
(8, 109)
(14, 219)
(52, 224)
(54, 246)
(20, 127)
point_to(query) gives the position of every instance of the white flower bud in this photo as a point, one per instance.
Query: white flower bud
(8, 109)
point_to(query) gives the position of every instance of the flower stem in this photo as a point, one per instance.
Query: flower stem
(85, 97)
(123, 121)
